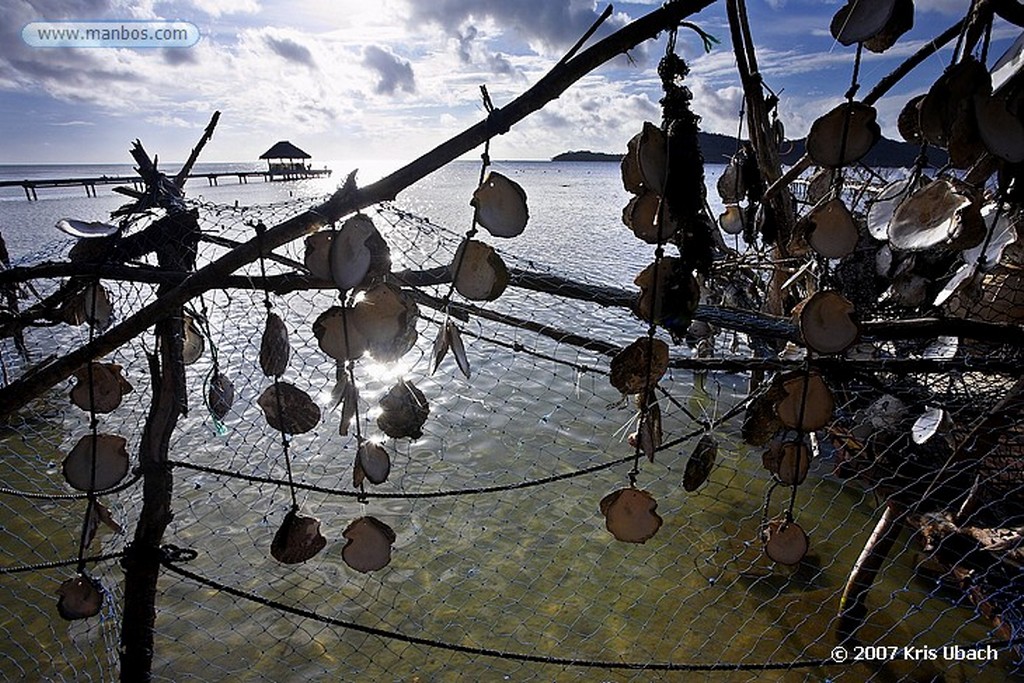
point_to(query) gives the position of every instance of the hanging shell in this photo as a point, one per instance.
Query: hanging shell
(297, 414)
(652, 157)
(86, 229)
(649, 431)
(386, 319)
(946, 113)
(648, 217)
(819, 187)
(373, 462)
(673, 301)
(479, 272)
(791, 463)
(111, 462)
(369, 544)
(787, 543)
(91, 305)
(826, 322)
(192, 343)
(807, 404)
(99, 514)
(857, 21)
(404, 410)
(1001, 131)
(108, 387)
(349, 405)
(732, 220)
(985, 256)
(629, 167)
(831, 230)
(334, 340)
(274, 348)
(883, 206)
(901, 21)
(825, 141)
(317, 257)
(639, 366)
(731, 186)
(457, 347)
(298, 539)
(359, 257)
(761, 420)
(500, 205)
(909, 122)
(941, 213)
(700, 463)
(81, 597)
(221, 395)
(630, 515)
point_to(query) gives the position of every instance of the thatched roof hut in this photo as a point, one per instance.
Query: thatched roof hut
(287, 156)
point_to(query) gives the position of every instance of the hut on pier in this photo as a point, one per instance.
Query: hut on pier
(285, 159)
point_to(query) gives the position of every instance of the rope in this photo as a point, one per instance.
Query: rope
(136, 476)
(60, 563)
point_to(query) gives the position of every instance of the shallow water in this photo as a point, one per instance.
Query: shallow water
(529, 571)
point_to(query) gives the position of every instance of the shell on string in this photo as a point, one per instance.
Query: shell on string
(909, 121)
(786, 542)
(857, 22)
(109, 467)
(404, 409)
(385, 319)
(297, 539)
(1000, 130)
(500, 205)
(221, 395)
(648, 217)
(942, 213)
(458, 348)
(317, 256)
(629, 168)
(274, 348)
(80, 597)
(334, 339)
(819, 186)
(373, 463)
(479, 272)
(826, 144)
(672, 300)
(731, 185)
(349, 404)
(639, 366)
(99, 514)
(368, 546)
(827, 324)
(107, 389)
(86, 229)
(700, 463)
(761, 420)
(1002, 229)
(652, 157)
(296, 414)
(192, 341)
(649, 432)
(358, 256)
(901, 21)
(883, 206)
(630, 515)
(948, 106)
(928, 424)
(831, 229)
(732, 220)
(789, 461)
(91, 305)
(807, 404)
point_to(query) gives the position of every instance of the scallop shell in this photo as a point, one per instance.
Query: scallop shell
(221, 395)
(297, 413)
(857, 21)
(700, 463)
(652, 157)
(792, 463)
(630, 515)
(831, 230)
(673, 301)
(940, 213)
(648, 217)
(369, 544)
(298, 539)
(372, 462)
(385, 319)
(81, 597)
(825, 141)
(500, 205)
(639, 366)
(192, 343)
(1001, 131)
(404, 409)
(732, 220)
(883, 206)
(479, 272)
(108, 387)
(91, 305)
(274, 348)
(807, 404)
(787, 543)
(334, 339)
(111, 462)
(359, 256)
(826, 322)
(629, 167)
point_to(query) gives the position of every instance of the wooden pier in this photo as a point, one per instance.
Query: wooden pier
(90, 183)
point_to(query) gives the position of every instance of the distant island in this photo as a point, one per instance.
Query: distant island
(718, 149)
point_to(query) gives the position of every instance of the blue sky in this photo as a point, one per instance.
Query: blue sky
(389, 79)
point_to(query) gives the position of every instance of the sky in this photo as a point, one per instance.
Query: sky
(391, 79)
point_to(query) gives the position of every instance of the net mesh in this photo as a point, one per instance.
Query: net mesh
(502, 567)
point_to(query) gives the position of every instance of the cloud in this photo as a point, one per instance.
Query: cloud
(217, 8)
(393, 72)
(290, 50)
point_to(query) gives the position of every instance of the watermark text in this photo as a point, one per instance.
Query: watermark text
(124, 34)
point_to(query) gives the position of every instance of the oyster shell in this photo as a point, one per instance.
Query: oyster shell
(786, 543)
(404, 409)
(111, 462)
(221, 395)
(639, 366)
(369, 544)
(790, 463)
(355, 255)
(91, 305)
(632, 181)
(857, 21)
(386, 319)
(826, 144)
(373, 462)
(807, 404)
(274, 348)
(107, 389)
(826, 322)
(298, 539)
(479, 272)
(500, 205)
(334, 339)
(673, 301)
(883, 206)
(831, 230)
(700, 463)
(192, 342)
(761, 420)
(289, 409)
(317, 256)
(652, 157)
(630, 515)
(940, 213)
(819, 186)
(81, 597)
(648, 217)
(86, 229)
